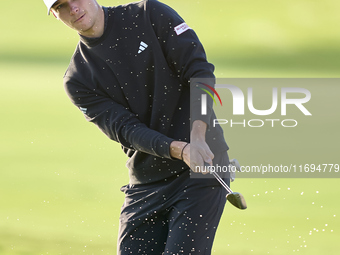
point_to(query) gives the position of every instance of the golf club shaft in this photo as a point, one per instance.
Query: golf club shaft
(220, 180)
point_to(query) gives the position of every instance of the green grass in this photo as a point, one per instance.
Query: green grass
(60, 176)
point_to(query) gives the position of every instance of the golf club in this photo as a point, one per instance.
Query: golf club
(235, 198)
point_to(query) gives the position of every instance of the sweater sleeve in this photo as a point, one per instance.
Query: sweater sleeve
(184, 53)
(116, 121)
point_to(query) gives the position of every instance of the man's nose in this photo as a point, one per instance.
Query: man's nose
(73, 7)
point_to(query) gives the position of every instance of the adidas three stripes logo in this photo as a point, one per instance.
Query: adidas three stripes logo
(142, 47)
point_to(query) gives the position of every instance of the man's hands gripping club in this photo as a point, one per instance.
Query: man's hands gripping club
(195, 153)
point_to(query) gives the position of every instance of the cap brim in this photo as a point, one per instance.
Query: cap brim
(49, 4)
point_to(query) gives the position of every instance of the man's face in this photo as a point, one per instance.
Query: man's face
(84, 16)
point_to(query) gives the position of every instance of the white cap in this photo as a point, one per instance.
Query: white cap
(49, 4)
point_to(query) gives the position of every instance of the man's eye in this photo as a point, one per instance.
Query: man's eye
(59, 6)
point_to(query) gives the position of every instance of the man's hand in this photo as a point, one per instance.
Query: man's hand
(199, 149)
(195, 153)
(200, 153)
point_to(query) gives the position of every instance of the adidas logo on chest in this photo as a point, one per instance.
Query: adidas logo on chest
(142, 47)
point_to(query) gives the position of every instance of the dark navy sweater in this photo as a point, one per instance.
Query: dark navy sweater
(133, 83)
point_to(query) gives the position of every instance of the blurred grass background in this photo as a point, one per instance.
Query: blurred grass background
(60, 177)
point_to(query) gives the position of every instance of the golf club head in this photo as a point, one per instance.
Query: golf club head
(237, 200)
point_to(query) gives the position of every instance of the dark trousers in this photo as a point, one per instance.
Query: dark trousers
(179, 215)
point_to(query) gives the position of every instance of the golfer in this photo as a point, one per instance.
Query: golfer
(130, 76)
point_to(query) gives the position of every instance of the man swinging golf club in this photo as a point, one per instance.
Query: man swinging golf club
(130, 76)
